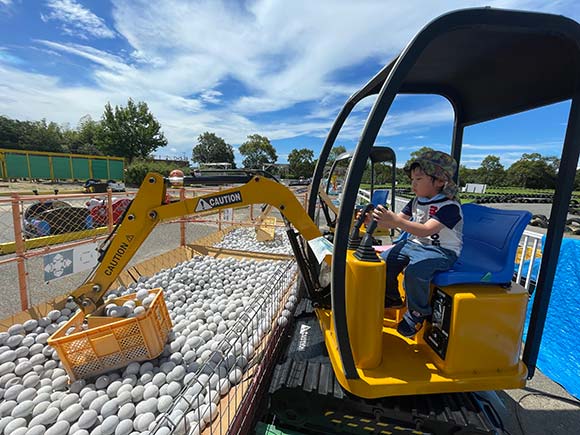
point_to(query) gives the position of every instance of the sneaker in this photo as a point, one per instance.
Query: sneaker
(411, 324)
(394, 302)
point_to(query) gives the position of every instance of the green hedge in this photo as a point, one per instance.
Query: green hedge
(136, 171)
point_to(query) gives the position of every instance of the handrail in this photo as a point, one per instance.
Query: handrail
(530, 245)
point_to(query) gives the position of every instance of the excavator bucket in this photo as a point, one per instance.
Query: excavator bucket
(266, 230)
(265, 225)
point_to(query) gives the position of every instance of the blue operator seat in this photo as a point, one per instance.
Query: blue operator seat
(490, 243)
(380, 197)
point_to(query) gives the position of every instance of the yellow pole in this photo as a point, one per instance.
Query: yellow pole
(3, 165)
(20, 248)
(28, 164)
(220, 215)
(182, 223)
(110, 222)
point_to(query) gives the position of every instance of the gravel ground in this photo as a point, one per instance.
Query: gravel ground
(26, 187)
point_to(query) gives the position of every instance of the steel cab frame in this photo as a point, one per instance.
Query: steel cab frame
(379, 154)
(488, 63)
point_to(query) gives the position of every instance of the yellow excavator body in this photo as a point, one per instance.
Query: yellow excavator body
(473, 357)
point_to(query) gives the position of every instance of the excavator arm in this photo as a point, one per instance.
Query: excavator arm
(148, 209)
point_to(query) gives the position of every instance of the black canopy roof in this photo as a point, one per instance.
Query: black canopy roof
(492, 64)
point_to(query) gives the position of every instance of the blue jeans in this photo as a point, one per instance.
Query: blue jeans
(421, 262)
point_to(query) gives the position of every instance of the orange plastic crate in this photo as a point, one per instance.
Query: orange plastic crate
(115, 342)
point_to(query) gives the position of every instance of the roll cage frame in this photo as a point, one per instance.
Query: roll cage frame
(488, 63)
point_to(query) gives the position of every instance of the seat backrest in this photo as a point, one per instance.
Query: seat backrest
(380, 197)
(490, 242)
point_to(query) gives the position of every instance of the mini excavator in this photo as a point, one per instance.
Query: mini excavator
(343, 367)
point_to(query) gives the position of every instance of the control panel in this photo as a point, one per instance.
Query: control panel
(437, 331)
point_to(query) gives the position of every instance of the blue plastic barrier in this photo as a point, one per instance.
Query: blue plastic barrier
(559, 358)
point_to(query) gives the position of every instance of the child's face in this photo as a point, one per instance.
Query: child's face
(424, 185)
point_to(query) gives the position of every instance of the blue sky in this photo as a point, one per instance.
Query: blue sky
(277, 68)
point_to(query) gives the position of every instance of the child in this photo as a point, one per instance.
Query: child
(434, 222)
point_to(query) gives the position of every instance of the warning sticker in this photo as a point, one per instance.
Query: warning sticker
(321, 248)
(210, 202)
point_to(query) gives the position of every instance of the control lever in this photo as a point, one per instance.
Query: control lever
(365, 251)
(354, 239)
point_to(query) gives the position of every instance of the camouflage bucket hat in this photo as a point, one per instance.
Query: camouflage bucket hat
(439, 165)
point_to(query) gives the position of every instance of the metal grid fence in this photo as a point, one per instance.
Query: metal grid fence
(35, 226)
(242, 359)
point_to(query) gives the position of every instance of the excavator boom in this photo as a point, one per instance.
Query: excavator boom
(148, 209)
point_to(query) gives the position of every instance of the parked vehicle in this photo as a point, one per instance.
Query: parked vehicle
(99, 213)
(47, 218)
(97, 186)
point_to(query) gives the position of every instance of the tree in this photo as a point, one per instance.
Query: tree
(258, 151)
(491, 171)
(533, 171)
(384, 173)
(335, 152)
(88, 130)
(417, 154)
(48, 136)
(129, 132)
(11, 133)
(212, 149)
(467, 175)
(301, 162)
(42, 136)
(83, 140)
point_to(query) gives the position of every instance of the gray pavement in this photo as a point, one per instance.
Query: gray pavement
(163, 238)
(543, 407)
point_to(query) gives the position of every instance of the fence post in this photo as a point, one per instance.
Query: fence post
(220, 214)
(182, 219)
(110, 210)
(20, 248)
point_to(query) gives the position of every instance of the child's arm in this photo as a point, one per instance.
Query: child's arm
(387, 219)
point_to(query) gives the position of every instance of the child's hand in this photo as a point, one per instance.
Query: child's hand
(385, 218)
(368, 217)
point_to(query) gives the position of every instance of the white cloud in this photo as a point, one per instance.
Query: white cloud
(77, 20)
(211, 96)
(507, 158)
(283, 52)
(6, 2)
(33, 96)
(99, 57)
(500, 147)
